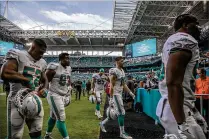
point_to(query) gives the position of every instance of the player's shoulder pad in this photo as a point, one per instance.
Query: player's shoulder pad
(182, 41)
(43, 63)
(52, 66)
(13, 54)
(113, 71)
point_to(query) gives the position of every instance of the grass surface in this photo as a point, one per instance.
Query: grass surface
(80, 120)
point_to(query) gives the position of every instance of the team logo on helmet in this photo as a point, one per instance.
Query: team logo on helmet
(28, 103)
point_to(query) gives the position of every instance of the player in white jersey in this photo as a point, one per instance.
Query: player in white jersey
(58, 75)
(24, 69)
(180, 55)
(117, 85)
(98, 82)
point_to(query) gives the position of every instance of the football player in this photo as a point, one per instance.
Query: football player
(58, 75)
(117, 85)
(24, 69)
(180, 57)
(98, 82)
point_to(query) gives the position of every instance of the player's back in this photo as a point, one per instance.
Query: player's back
(176, 42)
(60, 80)
(27, 66)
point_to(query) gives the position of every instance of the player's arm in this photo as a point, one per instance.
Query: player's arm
(44, 80)
(112, 84)
(50, 74)
(175, 71)
(93, 84)
(10, 73)
(127, 90)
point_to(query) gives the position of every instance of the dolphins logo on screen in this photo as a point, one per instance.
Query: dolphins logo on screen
(143, 48)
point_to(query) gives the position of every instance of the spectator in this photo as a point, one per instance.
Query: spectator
(151, 83)
(88, 87)
(78, 85)
(84, 87)
(128, 98)
(202, 87)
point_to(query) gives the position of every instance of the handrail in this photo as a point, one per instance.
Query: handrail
(201, 101)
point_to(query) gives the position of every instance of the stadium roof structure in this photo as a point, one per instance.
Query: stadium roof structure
(132, 21)
(154, 19)
(107, 40)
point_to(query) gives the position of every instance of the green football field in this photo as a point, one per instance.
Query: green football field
(80, 120)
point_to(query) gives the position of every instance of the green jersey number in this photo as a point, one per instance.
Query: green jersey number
(64, 79)
(32, 74)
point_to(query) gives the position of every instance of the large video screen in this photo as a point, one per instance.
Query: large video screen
(143, 48)
(5, 47)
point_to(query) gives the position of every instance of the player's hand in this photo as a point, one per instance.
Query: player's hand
(92, 92)
(43, 93)
(31, 85)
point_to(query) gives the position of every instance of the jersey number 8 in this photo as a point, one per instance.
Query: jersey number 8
(63, 79)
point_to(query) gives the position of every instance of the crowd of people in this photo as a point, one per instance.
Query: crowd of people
(95, 61)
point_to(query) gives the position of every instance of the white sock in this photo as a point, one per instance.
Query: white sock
(105, 121)
(67, 137)
(122, 129)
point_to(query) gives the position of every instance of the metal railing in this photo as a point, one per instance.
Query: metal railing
(201, 101)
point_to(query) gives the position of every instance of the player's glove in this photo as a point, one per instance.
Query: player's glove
(201, 121)
(111, 102)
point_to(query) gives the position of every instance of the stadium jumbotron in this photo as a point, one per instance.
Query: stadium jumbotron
(104, 69)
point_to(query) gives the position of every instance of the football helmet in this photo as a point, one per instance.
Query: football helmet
(28, 103)
(111, 113)
(67, 100)
(92, 99)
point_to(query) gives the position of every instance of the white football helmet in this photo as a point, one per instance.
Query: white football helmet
(112, 113)
(92, 98)
(28, 103)
(67, 100)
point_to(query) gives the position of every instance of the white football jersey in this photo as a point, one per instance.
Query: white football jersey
(120, 75)
(27, 66)
(99, 81)
(60, 81)
(176, 42)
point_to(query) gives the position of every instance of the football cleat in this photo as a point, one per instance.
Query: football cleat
(125, 136)
(102, 127)
(95, 113)
(48, 136)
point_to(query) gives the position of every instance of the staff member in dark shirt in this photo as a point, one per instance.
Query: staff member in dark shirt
(88, 87)
(128, 98)
(78, 89)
